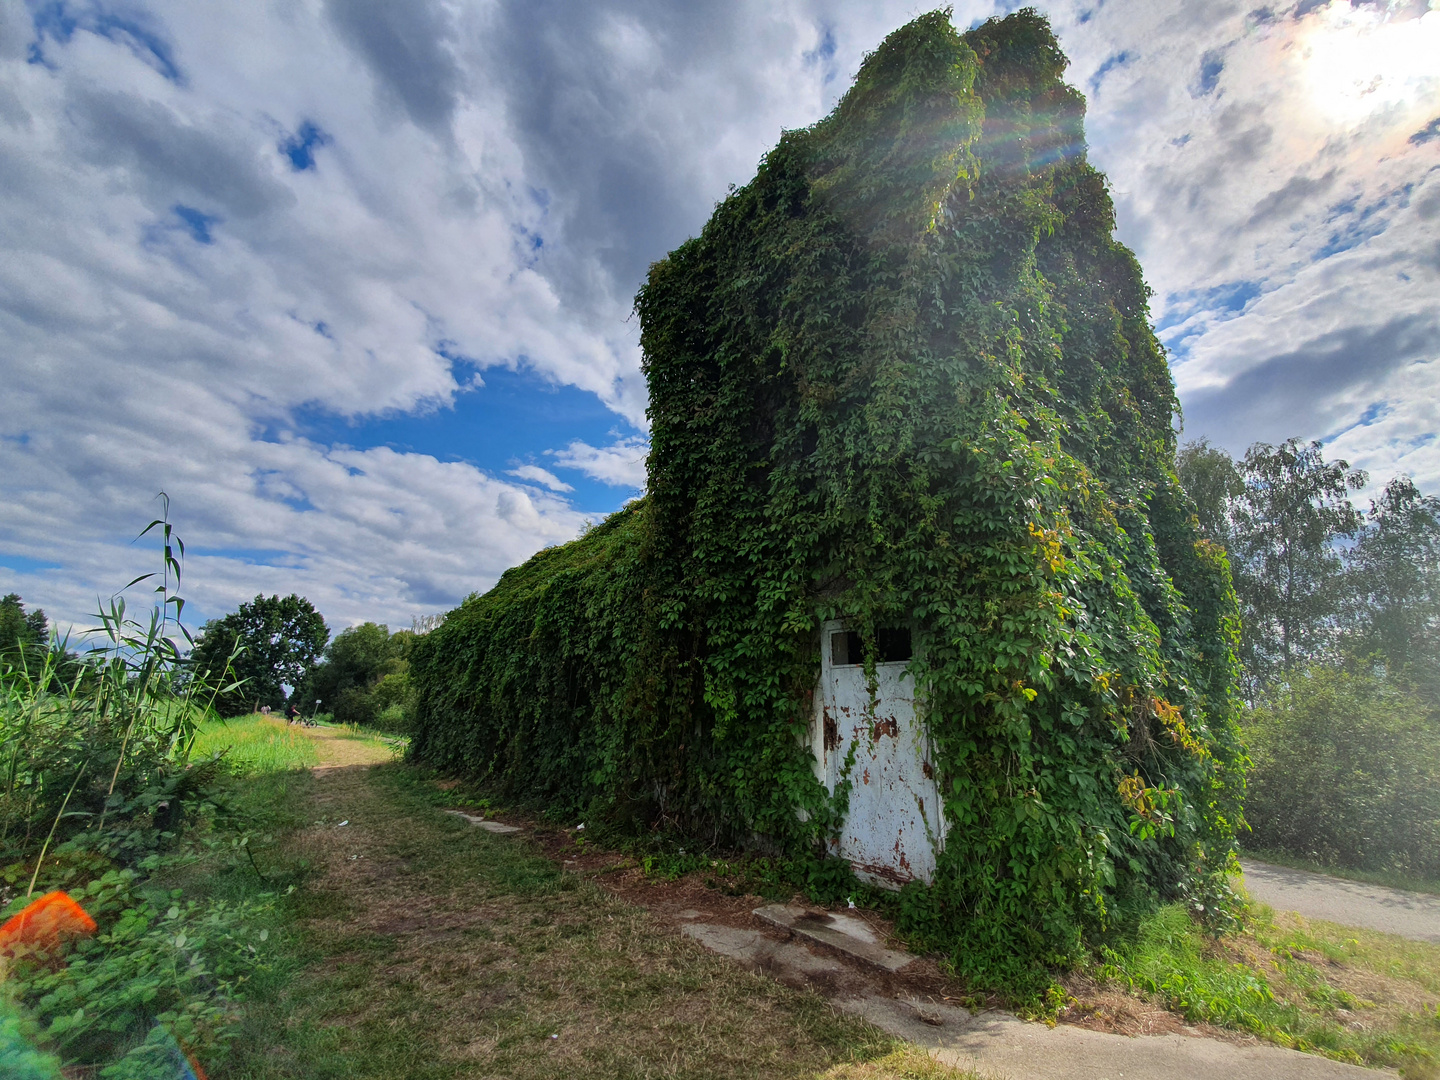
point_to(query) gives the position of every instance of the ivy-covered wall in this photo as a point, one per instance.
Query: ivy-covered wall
(904, 376)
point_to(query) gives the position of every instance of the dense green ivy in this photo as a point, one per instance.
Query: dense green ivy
(905, 375)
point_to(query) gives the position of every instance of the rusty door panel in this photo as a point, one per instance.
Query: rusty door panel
(894, 827)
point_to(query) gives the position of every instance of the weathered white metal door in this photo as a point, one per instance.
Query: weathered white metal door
(895, 824)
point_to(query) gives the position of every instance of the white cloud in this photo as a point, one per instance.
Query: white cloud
(487, 185)
(537, 475)
(1279, 208)
(621, 464)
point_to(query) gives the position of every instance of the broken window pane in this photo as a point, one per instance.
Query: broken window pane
(892, 646)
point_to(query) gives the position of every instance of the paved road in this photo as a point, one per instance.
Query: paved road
(1316, 896)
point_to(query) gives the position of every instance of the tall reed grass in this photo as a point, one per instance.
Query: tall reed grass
(99, 742)
(98, 773)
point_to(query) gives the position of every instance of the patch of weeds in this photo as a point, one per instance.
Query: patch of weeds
(182, 938)
(1307, 986)
(1165, 959)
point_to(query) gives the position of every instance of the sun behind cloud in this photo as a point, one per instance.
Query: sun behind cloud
(1358, 62)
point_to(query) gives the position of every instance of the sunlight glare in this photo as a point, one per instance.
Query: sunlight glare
(1358, 62)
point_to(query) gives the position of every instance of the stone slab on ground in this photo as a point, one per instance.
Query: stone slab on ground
(998, 1044)
(995, 1044)
(753, 947)
(488, 826)
(848, 934)
(1351, 903)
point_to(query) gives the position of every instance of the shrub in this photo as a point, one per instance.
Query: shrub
(19, 1060)
(1346, 771)
(394, 719)
(392, 690)
(356, 705)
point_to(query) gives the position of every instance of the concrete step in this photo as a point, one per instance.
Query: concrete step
(845, 933)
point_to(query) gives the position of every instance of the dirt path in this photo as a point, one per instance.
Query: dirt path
(1351, 903)
(437, 950)
(338, 748)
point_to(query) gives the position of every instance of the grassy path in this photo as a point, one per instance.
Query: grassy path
(339, 747)
(427, 947)
(417, 945)
(265, 744)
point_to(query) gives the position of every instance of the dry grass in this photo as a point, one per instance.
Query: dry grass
(904, 1064)
(436, 949)
(339, 746)
(1377, 989)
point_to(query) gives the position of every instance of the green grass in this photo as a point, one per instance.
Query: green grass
(1389, 878)
(426, 948)
(255, 744)
(1352, 995)
(368, 734)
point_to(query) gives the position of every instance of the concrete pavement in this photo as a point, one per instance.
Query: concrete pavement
(1351, 903)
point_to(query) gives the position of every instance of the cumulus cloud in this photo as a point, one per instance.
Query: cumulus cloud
(621, 464)
(1277, 201)
(537, 475)
(221, 220)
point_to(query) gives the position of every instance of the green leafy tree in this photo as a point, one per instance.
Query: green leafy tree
(1394, 581)
(1209, 476)
(1346, 770)
(21, 629)
(356, 660)
(1289, 521)
(279, 638)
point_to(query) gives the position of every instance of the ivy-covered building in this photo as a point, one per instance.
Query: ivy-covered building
(913, 582)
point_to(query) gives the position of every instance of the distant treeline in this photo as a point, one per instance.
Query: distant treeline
(1340, 652)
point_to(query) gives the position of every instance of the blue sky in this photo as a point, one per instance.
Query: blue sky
(511, 423)
(351, 280)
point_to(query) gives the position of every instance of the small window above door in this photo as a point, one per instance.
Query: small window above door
(892, 647)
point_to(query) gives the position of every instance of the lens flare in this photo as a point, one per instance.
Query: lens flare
(1359, 62)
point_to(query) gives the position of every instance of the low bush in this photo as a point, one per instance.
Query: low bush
(162, 972)
(393, 720)
(1346, 771)
(356, 705)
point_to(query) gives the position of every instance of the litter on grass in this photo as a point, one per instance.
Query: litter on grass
(45, 925)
